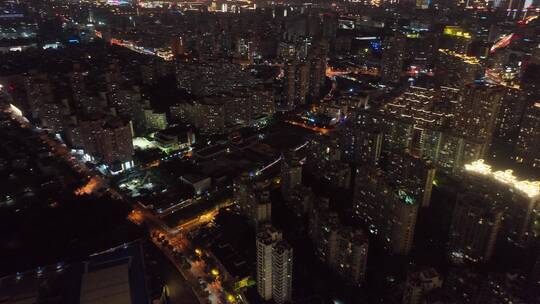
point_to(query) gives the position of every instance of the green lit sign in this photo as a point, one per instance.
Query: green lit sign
(405, 197)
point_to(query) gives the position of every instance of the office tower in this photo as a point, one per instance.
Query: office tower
(419, 284)
(515, 8)
(274, 266)
(474, 229)
(388, 212)
(530, 79)
(527, 149)
(296, 27)
(392, 59)
(291, 173)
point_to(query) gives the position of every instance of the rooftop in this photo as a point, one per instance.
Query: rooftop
(529, 188)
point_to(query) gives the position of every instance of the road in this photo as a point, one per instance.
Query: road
(212, 293)
(178, 289)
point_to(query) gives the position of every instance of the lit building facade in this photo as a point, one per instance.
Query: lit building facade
(274, 266)
(517, 198)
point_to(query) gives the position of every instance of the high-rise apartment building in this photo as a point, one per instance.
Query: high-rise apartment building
(517, 198)
(454, 69)
(527, 149)
(477, 111)
(419, 284)
(361, 138)
(405, 171)
(253, 202)
(291, 173)
(210, 115)
(274, 266)
(282, 263)
(388, 212)
(109, 140)
(296, 83)
(343, 249)
(392, 59)
(508, 122)
(474, 229)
